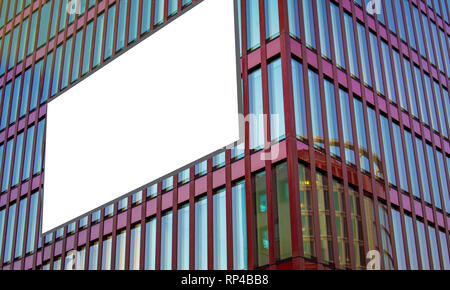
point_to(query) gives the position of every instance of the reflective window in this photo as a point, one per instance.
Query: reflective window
(121, 26)
(401, 92)
(132, 29)
(434, 248)
(421, 92)
(87, 48)
(262, 234)
(276, 102)
(201, 234)
(337, 35)
(316, 111)
(32, 222)
(256, 110)
(17, 160)
(284, 224)
(347, 127)
(150, 244)
(66, 68)
(294, 21)
(183, 238)
(11, 222)
(443, 179)
(388, 157)
(135, 247)
(56, 71)
(423, 170)
(299, 101)
(363, 150)
(93, 256)
(376, 64)
(7, 166)
(423, 245)
(166, 241)
(444, 250)
(353, 63)
(77, 55)
(146, 13)
(324, 218)
(239, 217)
(159, 12)
(399, 246)
(411, 243)
(433, 175)
(386, 237)
(106, 253)
(412, 164)
(401, 166)
(341, 224)
(20, 233)
(309, 23)
(272, 24)
(333, 133)
(220, 230)
(110, 31)
(98, 40)
(253, 36)
(366, 76)
(306, 211)
(120, 250)
(323, 29)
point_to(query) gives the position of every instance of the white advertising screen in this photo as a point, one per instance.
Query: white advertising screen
(166, 102)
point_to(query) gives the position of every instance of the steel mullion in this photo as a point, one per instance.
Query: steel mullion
(192, 218)
(249, 201)
(210, 214)
(175, 222)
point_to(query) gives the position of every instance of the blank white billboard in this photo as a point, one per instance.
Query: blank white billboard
(165, 103)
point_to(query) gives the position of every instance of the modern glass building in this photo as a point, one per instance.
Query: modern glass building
(361, 152)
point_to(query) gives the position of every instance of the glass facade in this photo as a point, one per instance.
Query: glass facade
(363, 106)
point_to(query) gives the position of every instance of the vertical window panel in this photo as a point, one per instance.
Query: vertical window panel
(337, 35)
(106, 253)
(32, 223)
(220, 230)
(20, 233)
(201, 234)
(150, 244)
(253, 36)
(120, 250)
(183, 238)
(17, 160)
(388, 157)
(271, 15)
(333, 133)
(316, 111)
(363, 150)
(239, 227)
(276, 102)
(11, 222)
(135, 247)
(299, 101)
(98, 40)
(262, 233)
(77, 55)
(347, 127)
